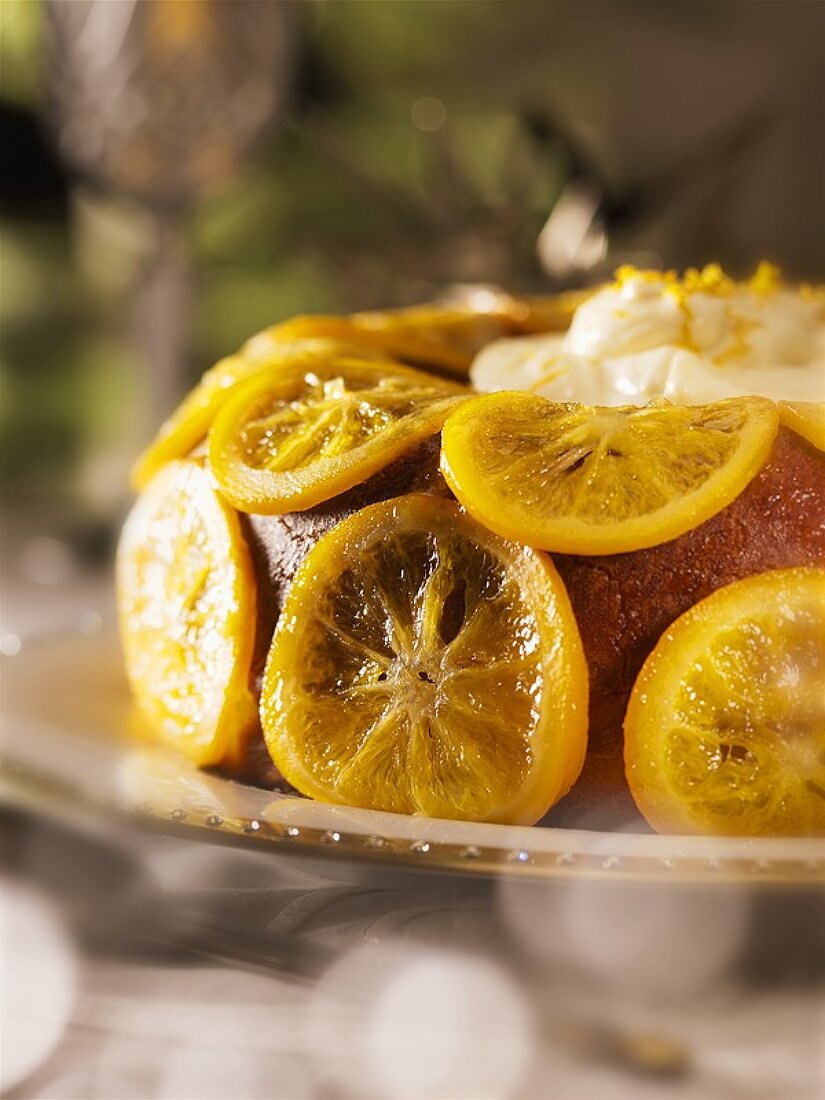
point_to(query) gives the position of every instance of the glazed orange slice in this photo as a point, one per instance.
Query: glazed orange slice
(806, 418)
(725, 731)
(445, 338)
(186, 594)
(295, 437)
(188, 424)
(422, 665)
(579, 479)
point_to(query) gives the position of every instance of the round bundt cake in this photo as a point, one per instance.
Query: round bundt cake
(647, 341)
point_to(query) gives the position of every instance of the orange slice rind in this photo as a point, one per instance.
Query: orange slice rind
(422, 665)
(295, 437)
(806, 418)
(725, 729)
(188, 425)
(580, 479)
(187, 603)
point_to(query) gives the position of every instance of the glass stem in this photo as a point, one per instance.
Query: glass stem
(163, 315)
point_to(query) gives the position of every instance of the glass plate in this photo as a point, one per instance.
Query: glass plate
(66, 749)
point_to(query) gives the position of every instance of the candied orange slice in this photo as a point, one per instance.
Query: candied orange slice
(422, 665)
(725, 730)
(186, 596)
(580, 479)
(295, 436)
(806, 418)
(188, 424)
(442, 337)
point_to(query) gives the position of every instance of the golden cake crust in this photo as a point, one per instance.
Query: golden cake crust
(624, 602)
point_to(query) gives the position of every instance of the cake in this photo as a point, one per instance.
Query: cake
(682, 354)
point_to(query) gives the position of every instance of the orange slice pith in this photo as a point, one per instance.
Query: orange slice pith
(579, 479)
(806, 418)
(186, 595)
(296, 437)
(423, 665)
(725, 730)
(187, 426)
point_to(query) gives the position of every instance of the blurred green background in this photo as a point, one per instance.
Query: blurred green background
(397, 147)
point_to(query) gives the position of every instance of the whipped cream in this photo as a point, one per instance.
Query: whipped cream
(693, 339)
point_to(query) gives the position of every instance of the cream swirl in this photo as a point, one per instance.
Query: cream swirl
(651, 334)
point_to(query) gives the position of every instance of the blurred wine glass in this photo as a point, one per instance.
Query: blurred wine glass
(161, 101)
